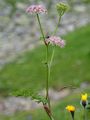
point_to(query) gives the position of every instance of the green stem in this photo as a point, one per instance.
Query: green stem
(52, 56)
(47, 72)
(47, 81)
(52, 118)
(47, 66)
(73, 118)
(84, 114)
(72, 114)
(55, 31)
(50, 64)
(41, 29)
(53, 51)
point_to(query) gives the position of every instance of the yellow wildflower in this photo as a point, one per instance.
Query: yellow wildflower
(70, 108)
(84, 100)
(84, 97)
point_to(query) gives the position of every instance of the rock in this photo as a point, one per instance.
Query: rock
(84, 85)
(14, 104)
(56, 95)
(2, 107)
(20, 32)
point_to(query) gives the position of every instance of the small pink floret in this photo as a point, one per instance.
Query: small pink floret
(54, 40)
(36, 9)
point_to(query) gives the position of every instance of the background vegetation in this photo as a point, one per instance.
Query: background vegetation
(71, 68)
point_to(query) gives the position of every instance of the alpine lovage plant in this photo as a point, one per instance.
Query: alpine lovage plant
(48, 40)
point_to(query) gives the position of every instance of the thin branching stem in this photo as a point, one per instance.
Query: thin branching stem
(47, 82)
(51, 60)
(47, 63)
(53, 51)
(55, 31)
(41, 29)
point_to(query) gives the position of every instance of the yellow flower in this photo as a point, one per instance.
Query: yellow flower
(84, 100)
(70, 108)
(84, 97)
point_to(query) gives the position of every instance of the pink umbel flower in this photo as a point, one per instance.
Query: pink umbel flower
(54, 40)
(36, 9)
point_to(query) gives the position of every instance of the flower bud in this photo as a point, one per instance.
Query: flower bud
(84, 100)
(61, 8)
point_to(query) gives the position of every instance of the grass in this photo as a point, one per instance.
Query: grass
(59, 111)
(71, 65)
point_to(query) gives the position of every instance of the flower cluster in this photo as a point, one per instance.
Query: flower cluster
(36, 9)
(54, 40)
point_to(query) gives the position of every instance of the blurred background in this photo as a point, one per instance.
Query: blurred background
(22, 58)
